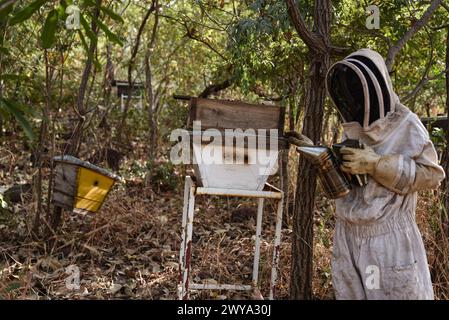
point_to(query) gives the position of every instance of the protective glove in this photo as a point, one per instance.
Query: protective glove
(385, 169)
(396, 172)
(359, 161)
(298, 139)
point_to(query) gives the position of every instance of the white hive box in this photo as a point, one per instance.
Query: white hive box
(245, 165)
(221, 171)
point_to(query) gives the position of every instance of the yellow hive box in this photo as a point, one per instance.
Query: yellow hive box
(80, 185)
(93, 188)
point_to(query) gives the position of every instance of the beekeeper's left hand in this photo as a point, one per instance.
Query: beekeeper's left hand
(359, 161)
(298, 139)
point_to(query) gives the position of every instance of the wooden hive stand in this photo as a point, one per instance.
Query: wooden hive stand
(244, 180)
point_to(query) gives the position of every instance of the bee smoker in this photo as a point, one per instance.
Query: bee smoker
(333, 180)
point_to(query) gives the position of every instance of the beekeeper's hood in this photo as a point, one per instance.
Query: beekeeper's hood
(361, 90)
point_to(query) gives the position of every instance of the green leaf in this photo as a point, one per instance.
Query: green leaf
(49, 30)
(4, 50)
(112, 14)
(13, 77)
(83, 41)
(90, 34)
(86, 48)
(97, 63)
(27, 12)
(15, 109)
(3, 111)
(61, 11)
(20, 107)
(109, 34)
(5, 11)
(90, 3)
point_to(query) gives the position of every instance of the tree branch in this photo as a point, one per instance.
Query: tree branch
(444, 26)
(166, 78)
(131, 63)
(215, 88)
(259, 91)
(137, 44)
(148, 69)
(425, 76)
(7, 4)
(421, 84)
(394, 50)
(77, 135)
(312, 41)
(192, 35)
(445, 6)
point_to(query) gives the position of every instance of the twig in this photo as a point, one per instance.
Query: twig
(421, 84)
(394, 50)
(7, 4)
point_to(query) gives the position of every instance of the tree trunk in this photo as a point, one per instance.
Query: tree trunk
(302, 248)
(151, 106)
(445, 156)
(152, 99)
(131, 64)
(108, 77)
(80, 107)
(302, 245)
(1, 83)
(43, 138)
(1, 96)
(291, 119)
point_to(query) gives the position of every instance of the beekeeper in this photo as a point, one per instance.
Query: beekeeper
(378, 250)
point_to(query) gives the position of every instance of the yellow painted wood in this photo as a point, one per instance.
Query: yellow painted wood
(92, 189)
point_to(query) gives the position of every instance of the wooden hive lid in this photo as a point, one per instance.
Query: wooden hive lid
(226, 114)
(75, 161)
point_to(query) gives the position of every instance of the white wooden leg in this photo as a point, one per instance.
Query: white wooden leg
(188, 243)
(257, 244)
(181, 285)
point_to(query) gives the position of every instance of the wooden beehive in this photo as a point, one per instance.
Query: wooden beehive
(80, 185)
(124, 88)
(436, 122)
(222, 115)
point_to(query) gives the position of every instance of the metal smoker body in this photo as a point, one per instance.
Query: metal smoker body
(334, 182)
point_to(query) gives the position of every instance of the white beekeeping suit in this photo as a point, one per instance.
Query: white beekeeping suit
(378, 249)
